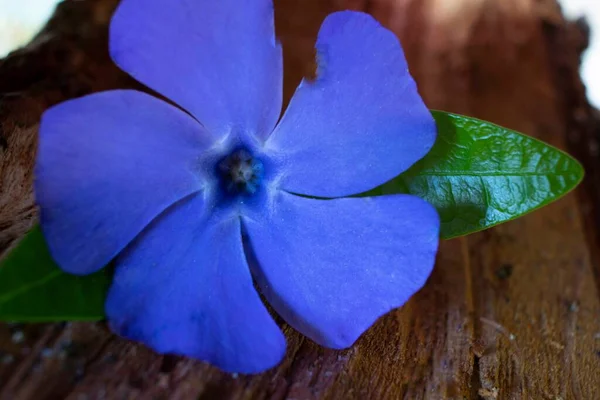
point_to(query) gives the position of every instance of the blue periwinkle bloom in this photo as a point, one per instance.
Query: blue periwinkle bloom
(197, 202)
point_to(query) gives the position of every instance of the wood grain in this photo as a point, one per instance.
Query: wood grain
(509, 313)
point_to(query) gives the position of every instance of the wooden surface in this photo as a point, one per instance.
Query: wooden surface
(509, 313)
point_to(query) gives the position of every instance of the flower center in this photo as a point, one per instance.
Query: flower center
(240, 172)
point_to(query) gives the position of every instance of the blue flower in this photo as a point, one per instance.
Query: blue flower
(197, 202)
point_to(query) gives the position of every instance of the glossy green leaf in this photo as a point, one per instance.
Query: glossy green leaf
(33, 288)
(479, 175)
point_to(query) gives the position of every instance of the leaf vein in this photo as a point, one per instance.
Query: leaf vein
(11, 295)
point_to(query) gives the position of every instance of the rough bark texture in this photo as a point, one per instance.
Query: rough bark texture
(509, 313)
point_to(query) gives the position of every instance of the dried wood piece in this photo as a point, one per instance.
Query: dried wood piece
(508, 313)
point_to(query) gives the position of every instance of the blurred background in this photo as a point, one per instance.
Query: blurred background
(21, 19)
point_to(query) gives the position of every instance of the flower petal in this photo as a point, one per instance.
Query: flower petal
(361, 122)
(330, 268)
(184, 287)
(219, 60)
(107, 164)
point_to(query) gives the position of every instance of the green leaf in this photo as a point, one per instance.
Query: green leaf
(34, 289)
(479, 175)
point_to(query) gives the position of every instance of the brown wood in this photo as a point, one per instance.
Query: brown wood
(509, 313)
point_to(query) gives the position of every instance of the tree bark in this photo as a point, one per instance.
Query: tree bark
(509, 313)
